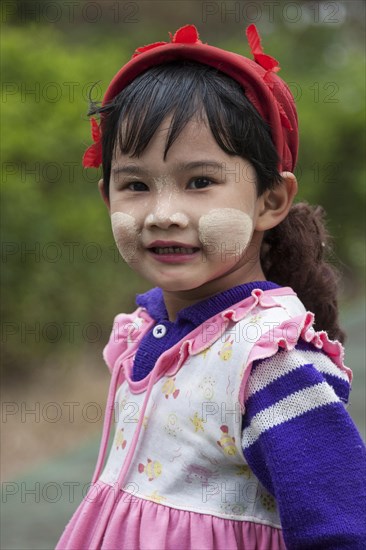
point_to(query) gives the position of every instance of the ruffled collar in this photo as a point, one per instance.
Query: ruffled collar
(196, 314)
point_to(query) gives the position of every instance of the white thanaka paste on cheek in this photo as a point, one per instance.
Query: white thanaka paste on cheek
(125, 234)
(226, 231)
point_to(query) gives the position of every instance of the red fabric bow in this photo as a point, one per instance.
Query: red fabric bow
(269, 63)
(184, 35)
(93, 155)
(266, 61)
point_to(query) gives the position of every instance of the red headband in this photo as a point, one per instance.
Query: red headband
(264, 89)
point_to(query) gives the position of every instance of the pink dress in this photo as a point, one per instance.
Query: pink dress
(176, 476)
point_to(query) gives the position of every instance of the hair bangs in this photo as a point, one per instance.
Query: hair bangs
(183, 91)
(153, 98)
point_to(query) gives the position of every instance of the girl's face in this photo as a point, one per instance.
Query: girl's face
(187, 224)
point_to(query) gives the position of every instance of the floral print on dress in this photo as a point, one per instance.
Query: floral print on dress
(152, 469)
(234, 509)
(268, 502)
(120, 440)
(197, 422)
(207, 387)
(172, 426)
(201, 474)
(227, 442)
(205, 352)
(244, 470)
(155, 497)
(227, 349)
(255, 319)
(124, 401)
(169, 388)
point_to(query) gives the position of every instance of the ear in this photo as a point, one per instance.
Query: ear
(103, 194)
(276, 203)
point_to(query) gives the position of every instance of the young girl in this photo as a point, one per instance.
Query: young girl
(230, 425)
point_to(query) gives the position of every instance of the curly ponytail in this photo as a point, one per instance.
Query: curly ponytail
(294, 253)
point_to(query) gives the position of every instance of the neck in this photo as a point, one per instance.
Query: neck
(176, 301)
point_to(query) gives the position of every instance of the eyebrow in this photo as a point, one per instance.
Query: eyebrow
(133, 169)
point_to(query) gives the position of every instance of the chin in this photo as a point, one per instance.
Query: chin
(175, 285)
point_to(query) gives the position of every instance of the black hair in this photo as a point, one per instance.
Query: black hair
(294, 252)
(186, 90)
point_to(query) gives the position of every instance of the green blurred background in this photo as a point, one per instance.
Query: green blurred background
(63, 280)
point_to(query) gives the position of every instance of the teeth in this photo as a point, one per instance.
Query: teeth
(173, 250)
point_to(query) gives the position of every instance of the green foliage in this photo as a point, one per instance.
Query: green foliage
(74, 280)
(59, 258)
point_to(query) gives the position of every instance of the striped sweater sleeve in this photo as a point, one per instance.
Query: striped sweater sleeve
(304, 448)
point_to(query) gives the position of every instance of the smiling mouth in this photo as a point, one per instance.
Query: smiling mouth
(173, 250)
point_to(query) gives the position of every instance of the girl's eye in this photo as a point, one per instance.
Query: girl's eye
(199, 183)
(137, 186)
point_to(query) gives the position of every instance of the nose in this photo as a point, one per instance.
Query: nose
(166, 210)
(164, 220)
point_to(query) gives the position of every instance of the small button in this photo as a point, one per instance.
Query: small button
(159, 331)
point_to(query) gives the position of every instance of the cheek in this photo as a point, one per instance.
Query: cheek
(124, 229)
(225, 229)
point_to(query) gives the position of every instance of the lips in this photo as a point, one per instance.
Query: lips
(172, 247)
(173, 250)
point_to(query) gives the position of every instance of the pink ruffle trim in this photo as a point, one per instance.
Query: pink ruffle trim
(136, 523)
(129, 329)
(286, 335)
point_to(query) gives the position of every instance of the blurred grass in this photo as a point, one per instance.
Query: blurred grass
(354, 321)
(36, 521)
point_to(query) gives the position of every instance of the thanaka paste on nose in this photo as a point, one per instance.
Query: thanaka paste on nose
(166, 188)
(164, 182)
(124, 229)
(178, 218)
(226, 230)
